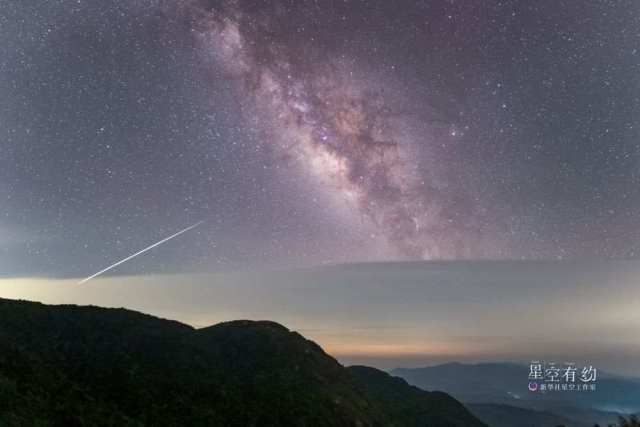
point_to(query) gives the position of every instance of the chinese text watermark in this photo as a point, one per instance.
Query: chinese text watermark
(551, 376)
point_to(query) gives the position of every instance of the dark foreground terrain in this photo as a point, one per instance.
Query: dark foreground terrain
(73, 366)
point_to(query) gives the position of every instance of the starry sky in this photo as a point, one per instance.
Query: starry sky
(330, 133)
(316, 132)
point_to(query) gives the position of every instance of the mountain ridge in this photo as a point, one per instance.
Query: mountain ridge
(85, 365)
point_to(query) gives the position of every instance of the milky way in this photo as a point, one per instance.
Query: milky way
(310, 132)
(342, 131)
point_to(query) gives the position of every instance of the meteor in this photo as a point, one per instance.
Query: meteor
(140, 252)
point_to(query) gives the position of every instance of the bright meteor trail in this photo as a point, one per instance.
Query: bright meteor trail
(140, 252)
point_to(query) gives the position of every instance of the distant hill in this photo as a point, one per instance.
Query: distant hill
(84, 366)
(506, 384)
(485, 382)
(410, 405)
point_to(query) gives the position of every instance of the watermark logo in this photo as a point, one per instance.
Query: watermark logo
(550, 376)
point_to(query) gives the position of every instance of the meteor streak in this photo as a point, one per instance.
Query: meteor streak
(140, 252)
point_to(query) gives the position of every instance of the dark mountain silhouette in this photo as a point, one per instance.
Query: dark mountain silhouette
(72, 366)
(409, 405)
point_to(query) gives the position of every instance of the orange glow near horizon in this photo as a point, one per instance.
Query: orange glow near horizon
(356, 317)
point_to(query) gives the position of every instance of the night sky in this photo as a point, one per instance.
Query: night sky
(306, 148)
(305, 133)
